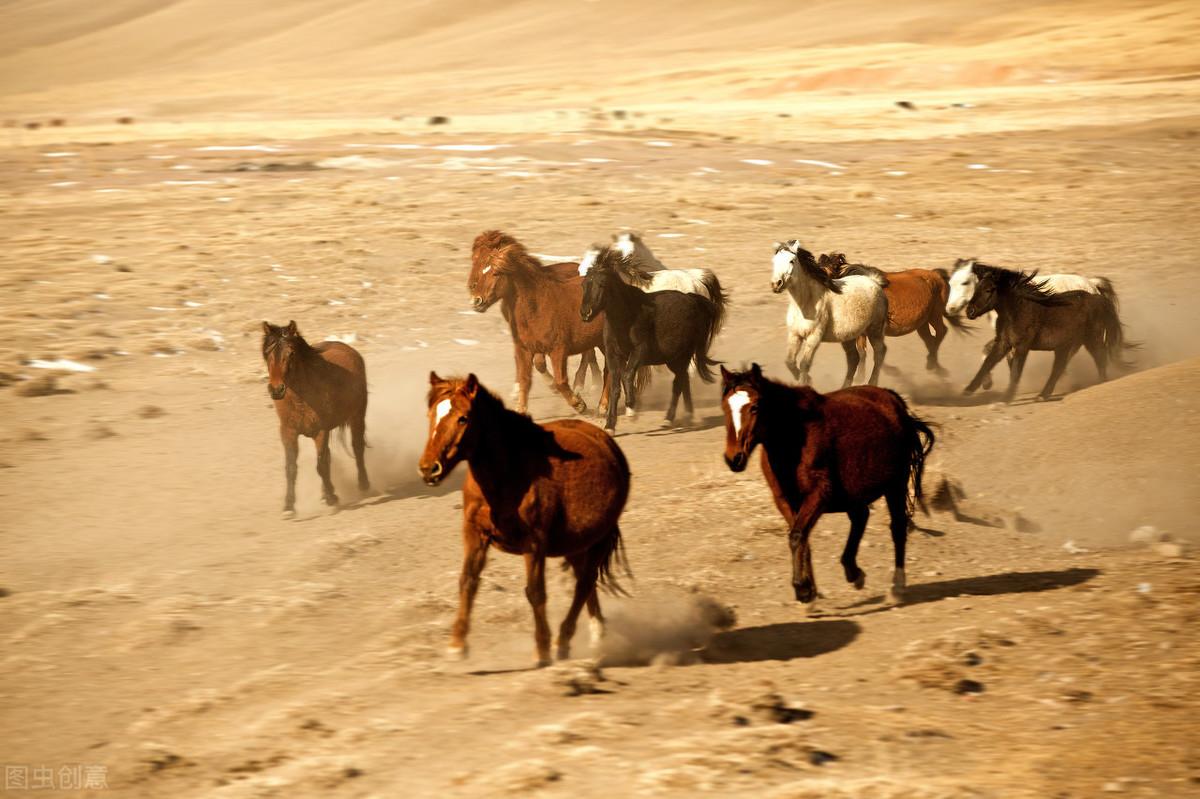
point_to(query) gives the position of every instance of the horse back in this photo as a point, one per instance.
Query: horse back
(866, 428)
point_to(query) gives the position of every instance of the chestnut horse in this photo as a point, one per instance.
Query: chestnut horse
(316, 389)
(832, 453)
(540, 304)
(538, 491)
(916, 301)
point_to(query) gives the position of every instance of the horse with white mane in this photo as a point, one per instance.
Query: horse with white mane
(640, 267)
(824, 308)
(964, 280)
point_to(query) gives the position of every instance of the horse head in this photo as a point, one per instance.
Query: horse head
(740, 395)
(962, 282)
(985, 291)
(279, 347)
(450, 431)
(490, 257)
(783, 263)
(596, 281)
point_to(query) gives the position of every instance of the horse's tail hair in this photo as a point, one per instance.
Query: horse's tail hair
(341, 435)
(1105, 288)
(718, 297)
(641, 380)
(955, 321)
(608, 553)
(944, 274)
(921, 440)
(1114, 333)
(700, 357)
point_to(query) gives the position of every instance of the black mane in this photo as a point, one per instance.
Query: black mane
(1018, 283)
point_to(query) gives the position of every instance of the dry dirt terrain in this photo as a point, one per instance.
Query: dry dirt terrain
(161, 623)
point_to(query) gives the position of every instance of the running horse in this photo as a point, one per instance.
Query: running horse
(828, 453)
(316, 389)
(539, 491)
(540, 305)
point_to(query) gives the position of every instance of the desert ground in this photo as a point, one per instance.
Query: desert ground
(174, 174)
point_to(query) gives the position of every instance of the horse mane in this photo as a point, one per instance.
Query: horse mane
(785, 396)
(278, 333)
(1019, 283)
(520, 426)
(610, 258)
(809, 264)
(515, 259)
(835, 263)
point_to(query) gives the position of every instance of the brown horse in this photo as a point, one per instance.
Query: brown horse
(532, 490)
(832, 453)
(540, 304)
(916, 301)
(316, 389)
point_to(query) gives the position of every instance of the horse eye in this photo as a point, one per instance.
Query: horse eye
(462, 419)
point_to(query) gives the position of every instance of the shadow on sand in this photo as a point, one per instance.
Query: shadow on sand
(985, 585)
(784, 641)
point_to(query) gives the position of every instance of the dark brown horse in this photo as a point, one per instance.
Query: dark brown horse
(538, 491)
(540, 304)
(916, 301)
(831, 453)
(316, 389)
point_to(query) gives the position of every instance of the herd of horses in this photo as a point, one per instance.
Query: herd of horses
(558, 489)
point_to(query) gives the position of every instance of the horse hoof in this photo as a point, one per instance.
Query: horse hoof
(542, 661)
(456, 652)
(968, 391)
(579, 405)
(1041, 398)
(805, 593)
(630, 413)
(861, 580)
(563, 652)
(288, 513)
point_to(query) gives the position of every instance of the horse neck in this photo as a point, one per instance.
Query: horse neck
(307, 365)
(494, 459)
(623, 301)
(803, 289)
(782, 408)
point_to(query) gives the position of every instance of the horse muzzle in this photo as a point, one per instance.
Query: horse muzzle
(480, 304)
(587, 314)
(777, 286)
(432, 474)
(736, 463)
(278, 391)
(972, 313)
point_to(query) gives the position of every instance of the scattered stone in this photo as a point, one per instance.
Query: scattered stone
(1072, 549)
(1015, 520)
(972, 659)
(124, 120)
(4, 592)
(906, 105)
(100, 431)
(7, 379)
(523, 777)
(1077, 695)
(618, 114)
(151, 412)
(1148, 534)
(578, 678)
(771, 707)
(965, 686)
(1169, 549)
(44, 386)
(32, 125)
(439, 120)
(272, 166)
(57, 122)
(819, 758)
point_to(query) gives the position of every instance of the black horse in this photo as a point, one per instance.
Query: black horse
(1031, 318)
(648, 328)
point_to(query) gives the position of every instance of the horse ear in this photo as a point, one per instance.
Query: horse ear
(266, 328)
(726, 376)
(756, 371)
(291, 328)
(434, 380)
(471, 385)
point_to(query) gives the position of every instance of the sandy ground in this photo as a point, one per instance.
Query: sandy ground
(161, 621)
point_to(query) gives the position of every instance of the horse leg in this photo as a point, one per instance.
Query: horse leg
(1099, 354)
(793, 353)
(860, 346)
(475, 552)
(524, 377)
(851, 350)
(321, 441)
(586, 571)
(291, 451)
(605, 391)
(1062, 356)
(897, 502)
(561, 368)
(808, 350)
(629, 378)
(616, 377)
(933, 334)
(1016, 366)
(687, 395)
(858, 526)
(677, 385)
(535, 592)
(879, 351)
(993, 352)
(804, 582)
(358, 442)
(577, 385)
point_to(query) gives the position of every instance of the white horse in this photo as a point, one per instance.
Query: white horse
(963, 281)
(822, 308)
(650, 274)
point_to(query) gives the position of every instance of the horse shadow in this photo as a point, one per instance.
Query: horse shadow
(697, 425)
(784, 641)
(984, 585)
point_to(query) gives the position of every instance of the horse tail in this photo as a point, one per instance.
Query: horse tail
(921, 440)
(607, 553)
(1105, 288)
(955, 321)
(717, 296)
(341, 436)
(944, 274)
(1114, 333)
(641, 380)
(700, 357)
